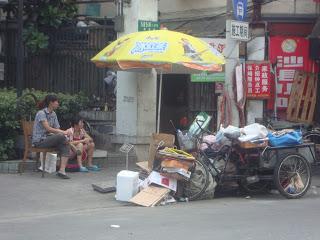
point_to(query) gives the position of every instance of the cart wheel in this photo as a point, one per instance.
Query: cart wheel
(314, 136)
(198, 182)
(292, 175)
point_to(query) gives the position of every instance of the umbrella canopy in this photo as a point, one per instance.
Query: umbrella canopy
(164, 50)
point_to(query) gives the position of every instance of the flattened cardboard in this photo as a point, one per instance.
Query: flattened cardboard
(163, 181)
(144, 166)
(150, 196)
(168, 140)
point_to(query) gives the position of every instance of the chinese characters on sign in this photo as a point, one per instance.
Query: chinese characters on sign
(239, 30)
(240, 9)
(289, 54)
(258, 79)
(148, 25)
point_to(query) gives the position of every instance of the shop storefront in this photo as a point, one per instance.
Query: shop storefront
(185, 95)
(288, 50)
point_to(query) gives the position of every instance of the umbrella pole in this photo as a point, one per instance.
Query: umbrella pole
(159, 102)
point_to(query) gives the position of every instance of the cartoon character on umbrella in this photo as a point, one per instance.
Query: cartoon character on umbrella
(116, 47)
(189, 50)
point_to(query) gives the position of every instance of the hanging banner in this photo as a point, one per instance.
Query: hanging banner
(289, 54)
(258, 79)
(240, 9)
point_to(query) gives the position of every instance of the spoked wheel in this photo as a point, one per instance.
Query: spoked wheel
(314, 136)
(198, 183)
(292, 176)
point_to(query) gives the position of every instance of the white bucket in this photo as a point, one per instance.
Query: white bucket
(127, 185)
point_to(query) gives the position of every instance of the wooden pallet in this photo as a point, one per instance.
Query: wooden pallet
(303, 97)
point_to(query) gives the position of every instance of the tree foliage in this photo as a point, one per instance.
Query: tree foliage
(41, 15)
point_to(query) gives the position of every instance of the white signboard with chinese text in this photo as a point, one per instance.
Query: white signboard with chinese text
(239, 30)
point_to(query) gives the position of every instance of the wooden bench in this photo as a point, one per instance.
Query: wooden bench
(27, 127)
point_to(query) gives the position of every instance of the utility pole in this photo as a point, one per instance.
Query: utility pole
(232, 59)
(20, 55)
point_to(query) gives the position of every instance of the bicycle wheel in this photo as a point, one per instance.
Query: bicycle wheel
(314, 136)
(198, 183)
(292, 175)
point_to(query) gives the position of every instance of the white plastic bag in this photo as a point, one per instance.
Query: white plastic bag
(207, 141)
(50, 162)
(186, 141)
(252, 132)
(232, 132)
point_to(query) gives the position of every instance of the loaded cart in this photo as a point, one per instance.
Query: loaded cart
(255, 166)
(260, 168)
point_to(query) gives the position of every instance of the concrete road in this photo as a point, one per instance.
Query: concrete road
(32, 208)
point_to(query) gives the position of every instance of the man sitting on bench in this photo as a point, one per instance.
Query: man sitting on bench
(47, 132)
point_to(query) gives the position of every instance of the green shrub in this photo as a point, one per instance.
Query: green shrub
(8, 123)
(70, 105)
(12, 110)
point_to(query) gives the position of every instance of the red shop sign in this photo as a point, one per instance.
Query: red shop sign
(258, 79)
(289, 54)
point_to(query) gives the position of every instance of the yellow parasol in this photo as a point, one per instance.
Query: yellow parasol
(164, 50)
(160, 49)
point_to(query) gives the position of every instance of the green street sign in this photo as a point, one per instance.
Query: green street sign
(148, 25)
(208, 77)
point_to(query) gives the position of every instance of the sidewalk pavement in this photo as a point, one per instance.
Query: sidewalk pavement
(30, 196)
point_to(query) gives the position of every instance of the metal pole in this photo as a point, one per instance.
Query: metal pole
(232, 59)
(275, 113)
(127, 161)
(20, 55)
(229, 9)
(159, 103)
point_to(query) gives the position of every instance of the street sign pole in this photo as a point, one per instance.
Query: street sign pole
(232, 59)
(20, 54)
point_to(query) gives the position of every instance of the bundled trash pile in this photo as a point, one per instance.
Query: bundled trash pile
(168, 173)
(171, 174)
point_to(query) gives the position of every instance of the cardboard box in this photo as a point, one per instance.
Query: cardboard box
(150, 196)
(166, 139)
(160, 180)
(248, 144)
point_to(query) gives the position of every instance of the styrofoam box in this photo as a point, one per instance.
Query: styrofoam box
(127, 185)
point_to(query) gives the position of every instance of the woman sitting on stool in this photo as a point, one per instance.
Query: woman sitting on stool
(81, 144)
